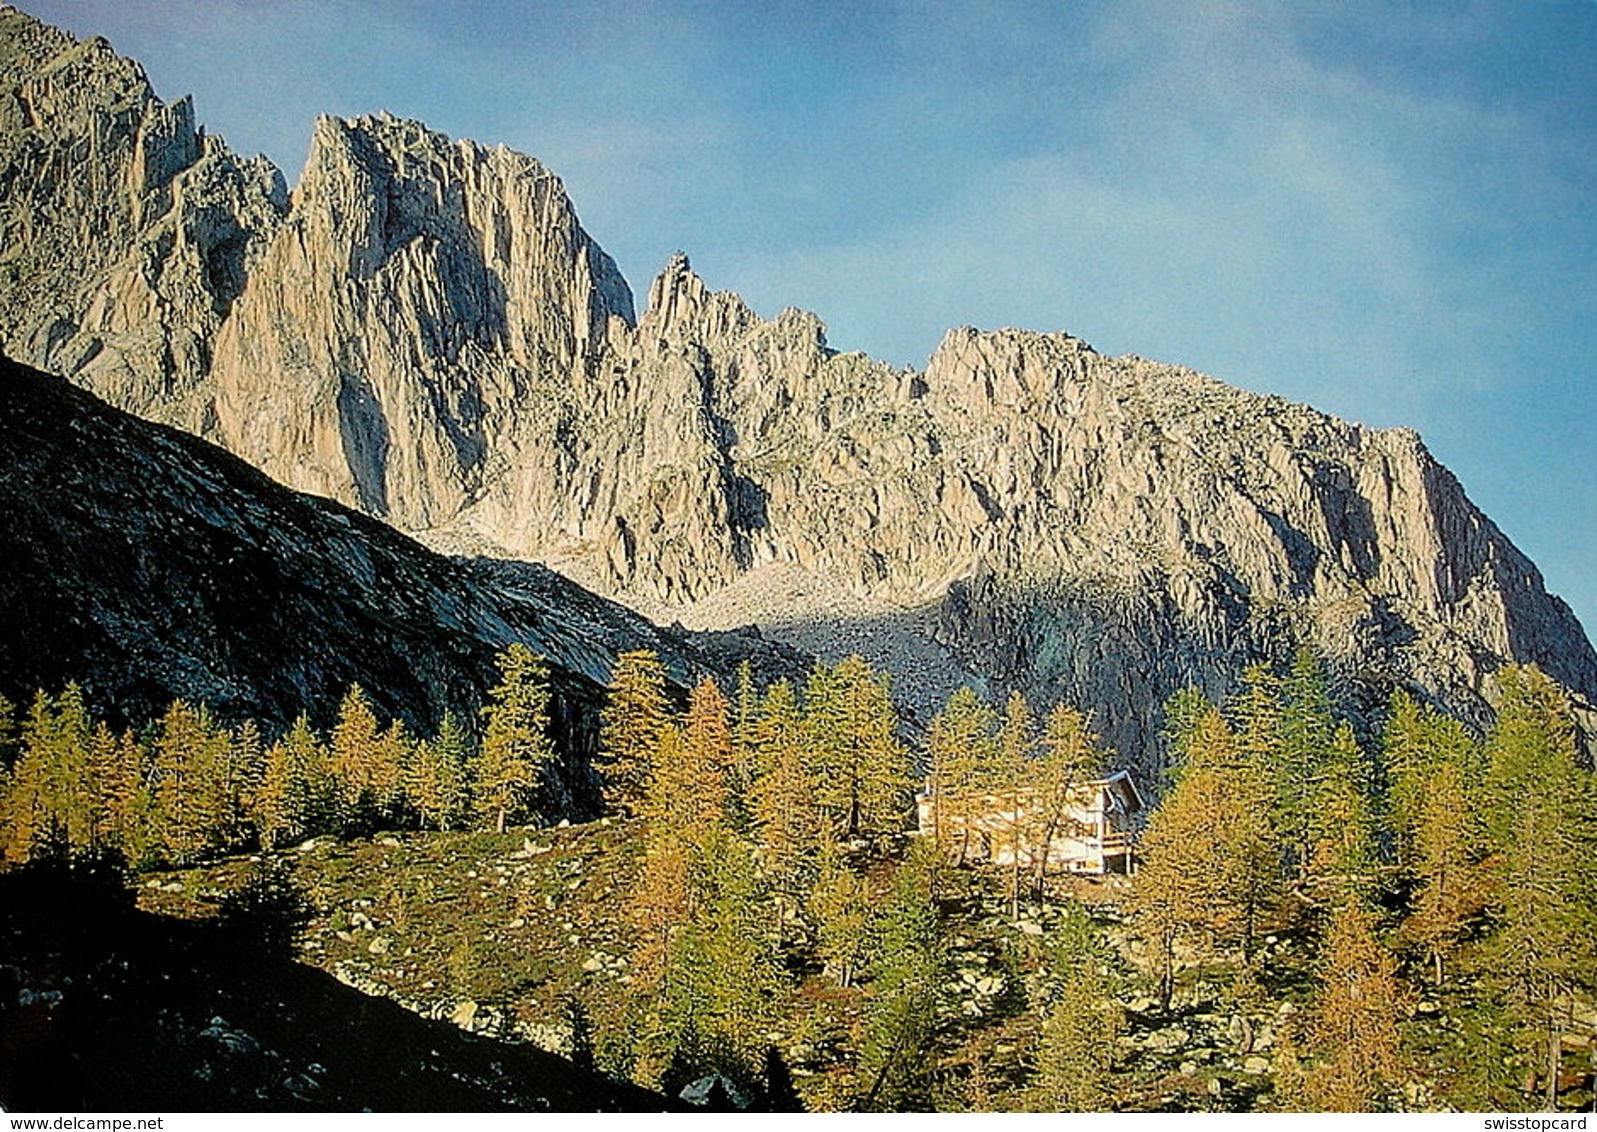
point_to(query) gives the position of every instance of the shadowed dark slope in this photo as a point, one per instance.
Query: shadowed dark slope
(147, 564)
(106, 1008)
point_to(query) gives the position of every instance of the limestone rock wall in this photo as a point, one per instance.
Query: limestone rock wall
(127, 233)
(425, 331)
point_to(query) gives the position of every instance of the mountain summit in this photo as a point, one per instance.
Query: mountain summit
(423, 330)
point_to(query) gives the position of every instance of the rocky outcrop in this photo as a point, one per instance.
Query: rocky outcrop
(147, 565)
(421, 301)
(427, 333)
(128, 233)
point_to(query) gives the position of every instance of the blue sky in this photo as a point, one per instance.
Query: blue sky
(1388, 209)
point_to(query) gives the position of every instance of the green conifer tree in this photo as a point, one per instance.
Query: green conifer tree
(1307, 728)
(961, 749)
(1542, 826)
(515, 743)
(635, 711)
(906, 980)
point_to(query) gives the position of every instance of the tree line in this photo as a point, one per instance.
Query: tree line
(1434, 864)
(1430, 863)
(186, 787)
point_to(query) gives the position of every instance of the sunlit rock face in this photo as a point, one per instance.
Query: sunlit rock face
(424, 331)
(146, 565)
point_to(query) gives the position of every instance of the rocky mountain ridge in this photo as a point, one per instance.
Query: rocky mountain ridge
(423, 330)
(147, 565)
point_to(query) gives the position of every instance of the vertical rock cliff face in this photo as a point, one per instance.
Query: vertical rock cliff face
(127, 233)
(422, 297)
(427, 333)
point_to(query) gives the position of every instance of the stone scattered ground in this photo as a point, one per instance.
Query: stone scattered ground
(499, 934)
(106, 1007)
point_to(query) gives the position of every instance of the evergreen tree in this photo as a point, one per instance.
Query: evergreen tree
(840, 907)
(1353, 1034)
(635, 711)
(1076, 1047)
(435, 778)
(1307, 729)
(1341, 828)
(961, 749)
(906, 978)
(515, 743)
(1072, 1069)
(1543, 834)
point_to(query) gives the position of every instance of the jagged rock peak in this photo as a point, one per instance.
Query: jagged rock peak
(681, 306)
(428, 333)
(132, 231)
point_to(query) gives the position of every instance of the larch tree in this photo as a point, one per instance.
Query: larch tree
(634, 713)
(962, 751)
(786, 822)
(745, 714)
(189, 782)
(297, 794)
(8, 733)
(515, 742)
(659, 899)
(247, 770)
(1076, 1047)
(702, 794)
(37, 789)
(874, 770)
(1017, 786)
(1443, 857)
(1209, 868)
(1070, 758)
(1407, 760)
(705, 972)
(356, 756)
(1353, 1040)
(743, 975)
(1434, 774)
